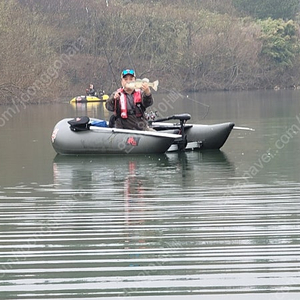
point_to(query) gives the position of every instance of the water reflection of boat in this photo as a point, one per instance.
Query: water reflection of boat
(196, 167)
(80, 171)
(211, 158)
(152, 170)
(92, 109)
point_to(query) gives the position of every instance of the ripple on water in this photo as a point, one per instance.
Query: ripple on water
(64, 242)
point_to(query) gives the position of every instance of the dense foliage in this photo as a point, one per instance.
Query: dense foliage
(263, 9)
(54, 49)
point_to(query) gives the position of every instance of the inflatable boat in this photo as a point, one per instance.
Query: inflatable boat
(84, 99)
(93, 136)
(194, 136)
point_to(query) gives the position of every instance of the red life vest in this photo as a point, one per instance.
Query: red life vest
(137, 98)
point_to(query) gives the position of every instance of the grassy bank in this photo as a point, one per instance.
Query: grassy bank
(54, 49)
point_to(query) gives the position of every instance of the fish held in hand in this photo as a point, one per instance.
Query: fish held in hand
(139, 82)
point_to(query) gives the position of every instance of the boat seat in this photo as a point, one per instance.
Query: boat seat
(182, 117)
(171, 127)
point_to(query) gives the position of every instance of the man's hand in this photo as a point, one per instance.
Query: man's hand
(117, 96)
(146, 88)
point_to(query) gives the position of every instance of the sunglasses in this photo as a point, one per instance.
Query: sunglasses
(128, 71)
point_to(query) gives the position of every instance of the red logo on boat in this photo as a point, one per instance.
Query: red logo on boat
(54, 134)
(133, 141)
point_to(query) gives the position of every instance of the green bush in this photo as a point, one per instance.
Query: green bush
(280, 42)
(263, 9)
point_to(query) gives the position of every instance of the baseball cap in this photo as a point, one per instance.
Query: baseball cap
(127, 71)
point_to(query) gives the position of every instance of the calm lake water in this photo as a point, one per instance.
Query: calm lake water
(216, 224)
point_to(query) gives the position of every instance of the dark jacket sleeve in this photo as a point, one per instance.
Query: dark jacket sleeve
(110, 103)
(147, 100)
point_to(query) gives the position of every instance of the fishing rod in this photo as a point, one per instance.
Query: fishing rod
(110, 67)
(206, 106)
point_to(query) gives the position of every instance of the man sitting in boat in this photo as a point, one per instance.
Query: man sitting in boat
(91, 91)
(129, 103)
